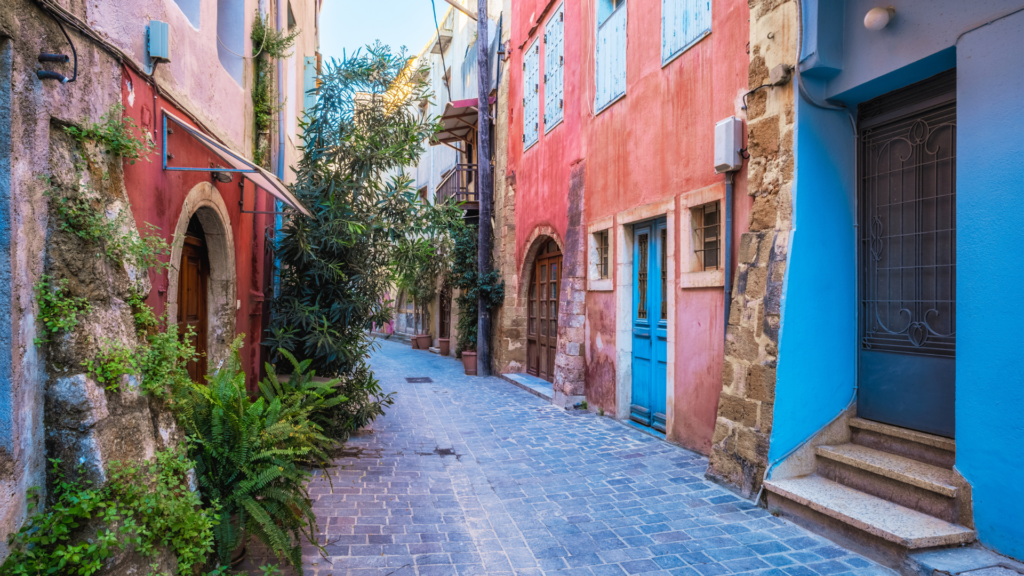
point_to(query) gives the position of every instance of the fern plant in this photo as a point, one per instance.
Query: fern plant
(248, 457)
(323, 401)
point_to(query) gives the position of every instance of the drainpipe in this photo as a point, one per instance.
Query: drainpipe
(727, 257)
(278, 220)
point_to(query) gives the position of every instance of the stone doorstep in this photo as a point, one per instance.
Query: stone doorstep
(536, 386)
(434, 350)
(881, 518)
(905, 434)
(913, 472)
(969, 561)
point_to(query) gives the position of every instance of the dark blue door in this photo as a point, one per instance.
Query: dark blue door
(908, 264)
(650, 324)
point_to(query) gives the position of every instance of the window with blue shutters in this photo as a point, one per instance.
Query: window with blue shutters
(610, 69)
(531, 94)
(683, 24)
(554, 69)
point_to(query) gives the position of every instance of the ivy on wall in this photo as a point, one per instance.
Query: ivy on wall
(270, 45)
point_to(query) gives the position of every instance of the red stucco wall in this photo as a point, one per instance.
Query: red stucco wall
(655, 143)
(157, 198)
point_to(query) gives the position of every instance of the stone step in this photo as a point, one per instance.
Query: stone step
(906, 470)
(928, 448)
(901, 526)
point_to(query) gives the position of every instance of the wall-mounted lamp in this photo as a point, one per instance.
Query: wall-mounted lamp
(222, 177)
(878, 18)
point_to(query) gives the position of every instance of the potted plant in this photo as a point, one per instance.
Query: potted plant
(444, 346)
(424, 341)
(469, 363)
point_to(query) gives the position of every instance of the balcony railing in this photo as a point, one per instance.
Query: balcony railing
(460, 184)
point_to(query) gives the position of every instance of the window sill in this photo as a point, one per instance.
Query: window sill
(610, 104)
(600, 285)
(708, 279)
(684, 49)
(555, 125)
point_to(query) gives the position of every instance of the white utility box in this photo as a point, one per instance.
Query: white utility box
(159, 41)
(728, 142)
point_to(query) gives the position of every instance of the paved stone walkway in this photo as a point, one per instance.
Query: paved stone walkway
(468, 476)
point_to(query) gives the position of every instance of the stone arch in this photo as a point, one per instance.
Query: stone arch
(537, 238)
(206, 203)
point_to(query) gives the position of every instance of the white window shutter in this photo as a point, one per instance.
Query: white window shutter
(683, 24)
(611, 59)
(554, 69)
(531, 95)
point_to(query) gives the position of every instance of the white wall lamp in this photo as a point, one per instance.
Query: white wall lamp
(878, 18)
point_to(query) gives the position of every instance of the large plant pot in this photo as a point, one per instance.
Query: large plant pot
(469, 363)
(415, 341)
(444, 346)
(424, 341)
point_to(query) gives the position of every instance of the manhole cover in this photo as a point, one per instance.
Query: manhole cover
(418, 380)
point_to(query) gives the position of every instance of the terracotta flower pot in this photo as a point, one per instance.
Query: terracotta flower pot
(444, 345)
(424, 341)
(469, 363)
(415, 341)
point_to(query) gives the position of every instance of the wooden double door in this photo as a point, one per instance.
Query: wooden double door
(542, 327)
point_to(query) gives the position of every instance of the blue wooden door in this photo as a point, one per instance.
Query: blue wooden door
(650, 324)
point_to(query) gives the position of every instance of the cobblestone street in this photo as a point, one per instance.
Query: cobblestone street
(470, 475)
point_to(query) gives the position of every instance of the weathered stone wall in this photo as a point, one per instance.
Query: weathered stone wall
(48, 407)
(570, 362)
(743, 428)
(508, 322)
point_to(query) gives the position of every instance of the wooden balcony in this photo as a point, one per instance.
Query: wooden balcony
(460, 184)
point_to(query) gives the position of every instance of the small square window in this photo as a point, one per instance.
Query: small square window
(706, 226)
(601, 243)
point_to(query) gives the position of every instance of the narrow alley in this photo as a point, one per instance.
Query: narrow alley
(468, 475)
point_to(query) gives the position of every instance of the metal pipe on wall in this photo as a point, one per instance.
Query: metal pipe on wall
(727, 257)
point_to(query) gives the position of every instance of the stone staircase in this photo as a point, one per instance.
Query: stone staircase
(888, 492)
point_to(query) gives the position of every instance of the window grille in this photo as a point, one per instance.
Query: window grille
(707, 229)
(601, 240)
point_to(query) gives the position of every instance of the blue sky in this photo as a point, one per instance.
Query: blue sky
(351, 24)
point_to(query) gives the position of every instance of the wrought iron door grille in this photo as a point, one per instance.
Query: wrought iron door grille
(908, 234)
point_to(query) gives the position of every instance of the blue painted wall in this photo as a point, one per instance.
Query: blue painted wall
(817, 344)
(990, 279)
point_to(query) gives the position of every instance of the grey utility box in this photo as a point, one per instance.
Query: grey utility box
(728, 143)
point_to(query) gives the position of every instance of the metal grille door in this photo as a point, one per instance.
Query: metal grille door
(908, 267)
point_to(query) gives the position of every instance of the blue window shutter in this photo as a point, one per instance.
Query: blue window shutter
(683, 24)
(308, 82)
(531, 95)
(554, 69)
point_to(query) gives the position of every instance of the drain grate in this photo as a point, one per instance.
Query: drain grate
(418, 380)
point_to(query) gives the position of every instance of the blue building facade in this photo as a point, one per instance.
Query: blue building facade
(898, 378)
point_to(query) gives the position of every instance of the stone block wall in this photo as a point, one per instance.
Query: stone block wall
(570, 361)
(743, 428)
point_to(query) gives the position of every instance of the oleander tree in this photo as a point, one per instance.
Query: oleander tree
(336, 273)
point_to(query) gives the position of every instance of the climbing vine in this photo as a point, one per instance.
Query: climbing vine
(464, 274)
(270, 45)
(116, 134)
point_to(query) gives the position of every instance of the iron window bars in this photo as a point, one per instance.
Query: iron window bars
(706, 230)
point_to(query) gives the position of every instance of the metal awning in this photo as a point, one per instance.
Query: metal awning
(457, 123)
(235, 162)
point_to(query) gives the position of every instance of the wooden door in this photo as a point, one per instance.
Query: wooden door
(193, 282)
(542, 337)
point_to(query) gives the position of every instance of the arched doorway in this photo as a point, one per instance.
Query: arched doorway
(193, 289)
(542, 327)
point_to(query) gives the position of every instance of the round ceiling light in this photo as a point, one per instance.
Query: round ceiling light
(878, 18)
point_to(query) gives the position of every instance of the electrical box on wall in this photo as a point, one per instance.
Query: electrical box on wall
(728, 142)
(159, 41)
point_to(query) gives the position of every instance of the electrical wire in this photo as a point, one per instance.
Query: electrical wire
(74, 75)
(444, 67)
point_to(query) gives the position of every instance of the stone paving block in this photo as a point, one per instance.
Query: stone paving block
(531, 490)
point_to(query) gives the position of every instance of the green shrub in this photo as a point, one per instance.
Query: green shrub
(248, 457)
(143, 506)
(115, 132)
(164, 362)
(115, 361)
(322, 401)
(58, 311)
